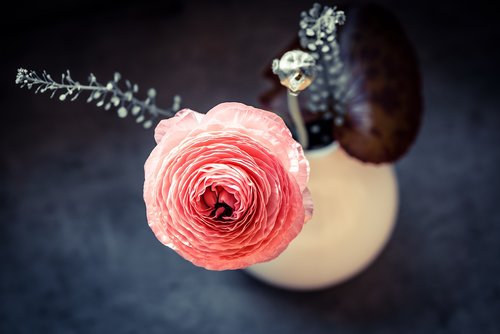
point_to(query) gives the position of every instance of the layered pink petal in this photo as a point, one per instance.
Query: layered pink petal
(184, 120)
(267, 128)
(227, 189)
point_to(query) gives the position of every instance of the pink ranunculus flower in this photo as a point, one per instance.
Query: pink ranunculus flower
(226, 189)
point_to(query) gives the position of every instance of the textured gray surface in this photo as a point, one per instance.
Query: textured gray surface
(77, 255)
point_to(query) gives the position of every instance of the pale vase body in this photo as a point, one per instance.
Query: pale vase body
(355, 206)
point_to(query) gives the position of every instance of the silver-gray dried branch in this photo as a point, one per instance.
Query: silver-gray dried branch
(318, 34)
(106, 96)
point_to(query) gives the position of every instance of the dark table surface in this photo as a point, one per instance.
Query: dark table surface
(77, 255)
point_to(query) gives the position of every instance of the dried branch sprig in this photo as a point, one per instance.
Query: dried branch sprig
(106, 96)
(318, 34)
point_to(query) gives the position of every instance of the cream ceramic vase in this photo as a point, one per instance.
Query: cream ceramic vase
(355, 207)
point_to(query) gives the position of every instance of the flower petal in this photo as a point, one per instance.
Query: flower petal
(227, 189)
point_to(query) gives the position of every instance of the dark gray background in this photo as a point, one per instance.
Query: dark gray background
(76, 254)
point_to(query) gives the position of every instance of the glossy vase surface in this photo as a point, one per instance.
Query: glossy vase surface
(355, 206)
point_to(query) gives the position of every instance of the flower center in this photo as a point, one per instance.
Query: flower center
(219, 201)
(222, 211)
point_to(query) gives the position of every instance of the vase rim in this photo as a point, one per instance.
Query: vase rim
(322, 151)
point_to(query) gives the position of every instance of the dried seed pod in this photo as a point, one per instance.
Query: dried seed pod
(296, 70)
(382, 105)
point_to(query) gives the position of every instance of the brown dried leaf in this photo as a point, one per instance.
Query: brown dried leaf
(383, 101)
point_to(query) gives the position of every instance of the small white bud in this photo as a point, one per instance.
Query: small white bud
(339, 121)
(122, 112)
(311, 46)
(152, 93)
(315, 128)
(147, 124)
(115, 100)
(136, 110)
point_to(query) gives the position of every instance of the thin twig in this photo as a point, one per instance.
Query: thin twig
(298, 120)
(106, 96)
